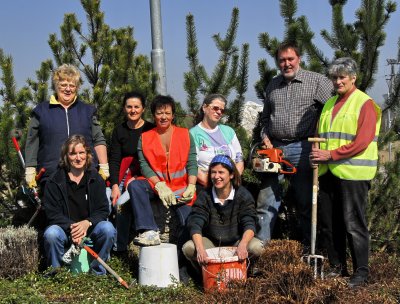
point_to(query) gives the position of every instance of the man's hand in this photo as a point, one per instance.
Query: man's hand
(267, 143)
(79, 230)
(30, 175)
(165, 193)
(104, 171)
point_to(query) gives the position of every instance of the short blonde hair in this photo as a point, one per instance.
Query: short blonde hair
(66, 72)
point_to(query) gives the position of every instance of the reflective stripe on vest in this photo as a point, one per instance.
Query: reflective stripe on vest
(172, 170)
(341, 131)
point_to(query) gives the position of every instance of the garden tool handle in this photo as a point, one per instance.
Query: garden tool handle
(40, 174)
(16, 145)
(315, 141)
(108, 268)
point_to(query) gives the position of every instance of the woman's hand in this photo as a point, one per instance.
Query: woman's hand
(79, 230)
(241, 251)
(115, 194)
(202, 257)
(318, 155)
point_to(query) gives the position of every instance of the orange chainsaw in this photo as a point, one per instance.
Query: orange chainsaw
(270, 161)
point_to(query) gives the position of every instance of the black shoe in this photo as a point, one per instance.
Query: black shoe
(336, 271)
(52, 272)
(183, 275)
(357, 280)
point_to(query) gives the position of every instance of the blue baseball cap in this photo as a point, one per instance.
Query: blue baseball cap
(223, 159)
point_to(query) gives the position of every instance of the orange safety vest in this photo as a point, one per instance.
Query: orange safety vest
(169, 168)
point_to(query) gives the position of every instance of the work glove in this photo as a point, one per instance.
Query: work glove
(166, 195)
(70, 253)
(30, 174)
(188, 194)
(104, 171)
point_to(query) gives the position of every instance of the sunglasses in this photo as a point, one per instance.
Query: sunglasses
(216, 109)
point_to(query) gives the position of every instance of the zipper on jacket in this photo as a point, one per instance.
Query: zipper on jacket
(66, 117)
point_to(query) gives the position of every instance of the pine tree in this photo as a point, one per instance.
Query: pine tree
(230, 73)
(107, 60)
(362, 39)
(13, 119)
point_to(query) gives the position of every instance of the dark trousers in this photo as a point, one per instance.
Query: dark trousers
(341, 212)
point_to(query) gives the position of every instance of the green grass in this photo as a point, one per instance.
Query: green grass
(65, 287)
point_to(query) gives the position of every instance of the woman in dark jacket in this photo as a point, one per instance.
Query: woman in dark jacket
(223, 215)
(76, 206)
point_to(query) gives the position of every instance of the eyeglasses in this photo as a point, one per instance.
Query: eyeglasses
(216, 109)
(64, 85)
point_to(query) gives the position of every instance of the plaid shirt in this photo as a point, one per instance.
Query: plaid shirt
(291, 110)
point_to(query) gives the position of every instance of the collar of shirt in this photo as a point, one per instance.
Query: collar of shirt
(54, 101)
(217, 200)
(298, 78)
(82, 182)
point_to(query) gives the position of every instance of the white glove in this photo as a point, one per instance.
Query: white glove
(30, 174)
(70, 253)
(188, 194)
(165, 193)
(104, 171)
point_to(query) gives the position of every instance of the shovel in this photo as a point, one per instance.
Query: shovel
(313, 259)
(101, 261)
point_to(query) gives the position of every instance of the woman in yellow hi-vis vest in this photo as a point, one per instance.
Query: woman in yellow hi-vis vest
(350, 123)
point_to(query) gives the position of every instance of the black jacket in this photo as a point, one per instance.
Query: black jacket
(223, 225)
(56, 198)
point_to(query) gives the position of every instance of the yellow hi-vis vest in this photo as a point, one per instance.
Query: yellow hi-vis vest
(341, 131)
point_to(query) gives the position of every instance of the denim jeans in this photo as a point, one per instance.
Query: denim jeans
(141, 194)
(56, 242)
(270, 196)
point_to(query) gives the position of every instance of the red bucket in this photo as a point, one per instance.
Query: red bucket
(223, 266)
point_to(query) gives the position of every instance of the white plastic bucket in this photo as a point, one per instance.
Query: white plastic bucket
(158, 265)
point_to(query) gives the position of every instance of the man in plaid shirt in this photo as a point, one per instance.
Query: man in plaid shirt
(292, 106)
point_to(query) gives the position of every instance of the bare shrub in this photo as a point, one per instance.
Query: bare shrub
(286, 279)
(18, 251)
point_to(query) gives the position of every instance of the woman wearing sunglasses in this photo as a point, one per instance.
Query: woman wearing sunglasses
(212, 138)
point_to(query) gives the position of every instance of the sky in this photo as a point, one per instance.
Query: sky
(25, 27)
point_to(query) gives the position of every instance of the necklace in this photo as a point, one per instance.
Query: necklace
(138, 124)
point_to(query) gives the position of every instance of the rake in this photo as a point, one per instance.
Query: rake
(315, 260)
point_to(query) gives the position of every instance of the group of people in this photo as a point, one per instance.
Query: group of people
(197, 172)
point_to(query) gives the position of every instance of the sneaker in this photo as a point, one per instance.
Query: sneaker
(357, 280)
(148, 238)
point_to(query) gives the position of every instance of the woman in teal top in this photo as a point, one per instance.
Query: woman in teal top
(212, 138)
